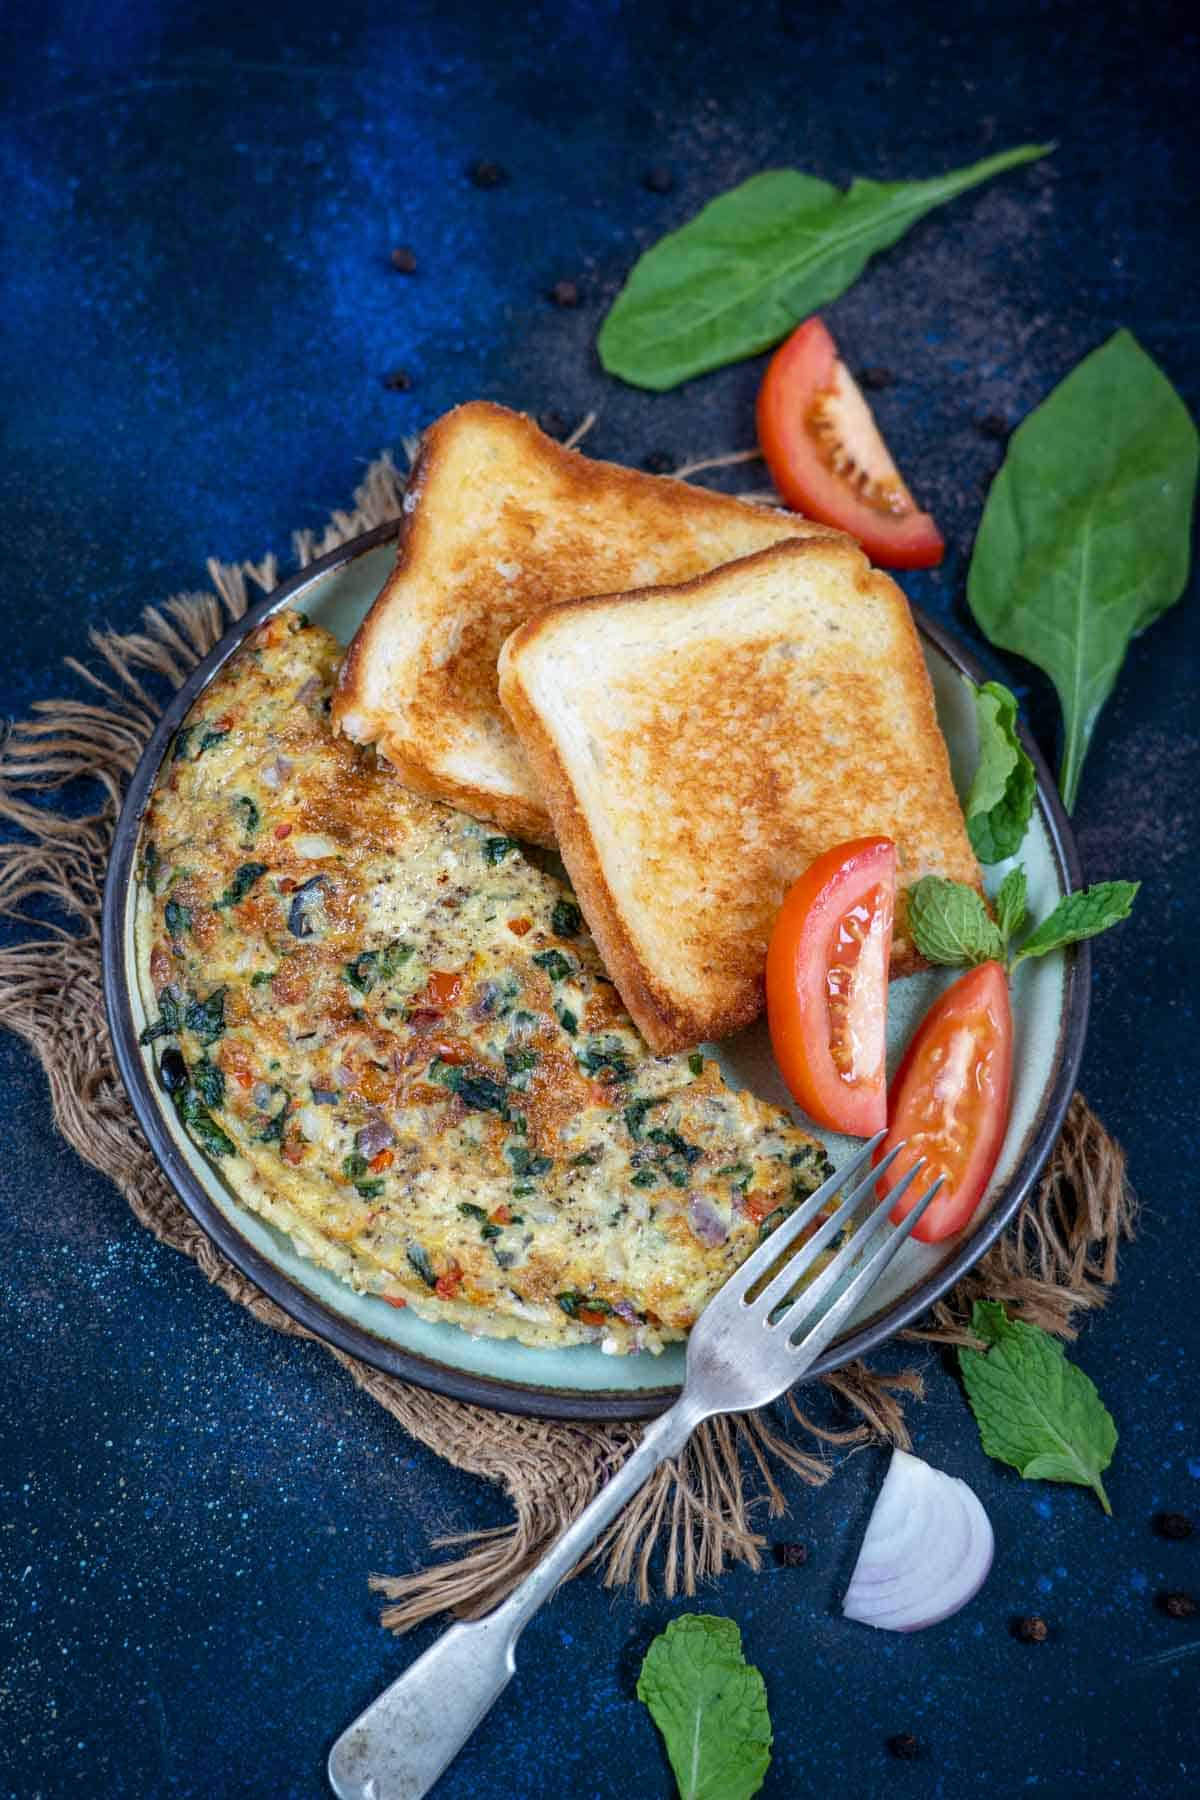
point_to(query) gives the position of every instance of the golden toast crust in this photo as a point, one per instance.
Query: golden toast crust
(500, 522)
(725, 815)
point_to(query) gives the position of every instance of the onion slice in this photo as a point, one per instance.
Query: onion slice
(926, 1552)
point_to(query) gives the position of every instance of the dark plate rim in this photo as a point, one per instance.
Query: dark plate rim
(408, 1365)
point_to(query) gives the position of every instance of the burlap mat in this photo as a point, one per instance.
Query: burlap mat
(1056, 1261)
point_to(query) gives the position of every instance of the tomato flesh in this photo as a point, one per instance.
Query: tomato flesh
(827, 458)
(827, 972)
(949, 1101)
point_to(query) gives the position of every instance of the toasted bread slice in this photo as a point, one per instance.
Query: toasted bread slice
(700, 745)
(500, 521)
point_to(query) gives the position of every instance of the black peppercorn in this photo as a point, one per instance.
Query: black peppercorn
(553, 424)
(1175, 1526)
(659, 180)
(1032, 1629)
(904, 1746)
(659, 462)
(873, 379)
(994, 426)
(565, 293)
(399, 380)
(404, 260)
(1178, 1605)
(487, 174)
(791, 1556)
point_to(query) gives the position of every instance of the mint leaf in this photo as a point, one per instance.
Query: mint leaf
(1000, 803)
(950, 924)
(735, 279)
(1035, 1410)
(1011, 904)
(710, 1705)
(1086, 536)
(1082, 915)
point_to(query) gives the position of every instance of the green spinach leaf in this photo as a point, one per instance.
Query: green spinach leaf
(201, 1124)
(554, 962)
(177, 918)
(209, 1082)
(495, 849)
(205, 1019)
(479, 1092)
(418, 1256)
(735, 279)
(244, 878)
(566, 921)
(170, 1014)
(1000, 803)
(1085, 538)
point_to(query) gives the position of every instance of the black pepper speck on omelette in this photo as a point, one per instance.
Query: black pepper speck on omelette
(391, 1031)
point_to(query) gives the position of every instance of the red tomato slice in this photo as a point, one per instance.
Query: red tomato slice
(827, 972)
(949, 1100)
(827, 458)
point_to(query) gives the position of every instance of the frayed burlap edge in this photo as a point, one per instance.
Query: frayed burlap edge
(697, 1515)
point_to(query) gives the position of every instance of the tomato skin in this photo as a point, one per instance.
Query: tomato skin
(804, 940)
(443, 989)
(959, 1131)
(805, 368)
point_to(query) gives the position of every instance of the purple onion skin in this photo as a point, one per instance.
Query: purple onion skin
(705, 1223)
(373, 1138)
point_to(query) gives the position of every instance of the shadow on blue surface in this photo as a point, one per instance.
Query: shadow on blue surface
(199, 310)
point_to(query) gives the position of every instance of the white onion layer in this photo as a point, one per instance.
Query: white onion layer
(927, 1550)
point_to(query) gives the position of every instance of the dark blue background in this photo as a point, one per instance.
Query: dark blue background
(198, 205)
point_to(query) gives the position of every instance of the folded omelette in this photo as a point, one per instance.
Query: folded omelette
(389, 1028)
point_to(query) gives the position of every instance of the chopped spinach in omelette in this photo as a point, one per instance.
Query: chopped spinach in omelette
(391, 1029)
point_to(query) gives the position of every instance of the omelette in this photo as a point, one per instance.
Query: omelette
(386, 1024)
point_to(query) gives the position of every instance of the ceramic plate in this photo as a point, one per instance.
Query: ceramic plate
(1049, 1006)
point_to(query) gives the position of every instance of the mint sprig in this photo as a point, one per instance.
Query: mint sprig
(951, 925)
(1012, 903)
(710, 1705)
(1079, 916)
(1036, 1411)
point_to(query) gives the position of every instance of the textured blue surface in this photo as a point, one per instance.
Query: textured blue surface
(199, 206)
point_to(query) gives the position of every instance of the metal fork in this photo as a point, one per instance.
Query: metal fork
(748, 1347)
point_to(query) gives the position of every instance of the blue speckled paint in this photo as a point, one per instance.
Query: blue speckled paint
(199, 203)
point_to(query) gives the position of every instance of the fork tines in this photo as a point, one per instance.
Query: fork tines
(763, 1260)
(767, 1305)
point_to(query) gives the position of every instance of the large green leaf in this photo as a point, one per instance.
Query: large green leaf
(1085, 538)
(736, 278)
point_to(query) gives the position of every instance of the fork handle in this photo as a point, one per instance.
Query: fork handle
(398, 1747)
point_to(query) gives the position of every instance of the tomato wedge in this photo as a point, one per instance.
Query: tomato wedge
(949, 1100)
(827, 458)
(827, 973)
